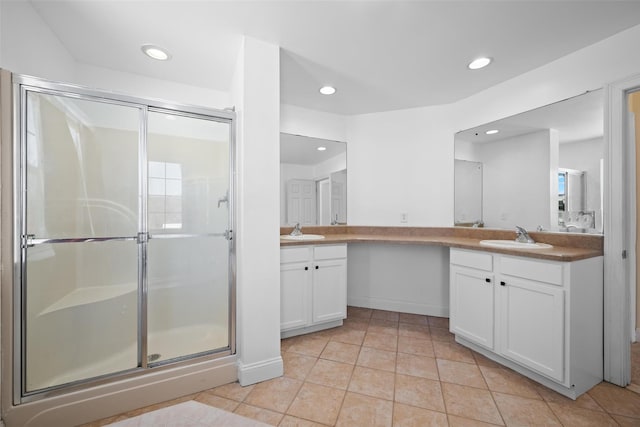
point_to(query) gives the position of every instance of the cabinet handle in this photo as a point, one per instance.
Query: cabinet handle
(487, 280)
(306, 268)
(503, 284)
(317, 267)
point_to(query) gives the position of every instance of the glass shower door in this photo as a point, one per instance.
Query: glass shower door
(78, 238)
(188, 284)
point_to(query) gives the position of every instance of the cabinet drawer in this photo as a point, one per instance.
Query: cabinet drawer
(473, 259)
(294, 255)
(329, 252)
(542, 271)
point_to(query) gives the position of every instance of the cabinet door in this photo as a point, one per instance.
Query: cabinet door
(329, 290)
(294, 295)
(471, 307)
(531, 325)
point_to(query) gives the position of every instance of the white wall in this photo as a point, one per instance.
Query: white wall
(402, 161)
(518, 169)
(28, 46)
(256, 93)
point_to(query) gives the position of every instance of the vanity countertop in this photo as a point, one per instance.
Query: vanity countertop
(566, 246)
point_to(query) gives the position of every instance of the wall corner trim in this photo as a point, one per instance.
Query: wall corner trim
(260, 371)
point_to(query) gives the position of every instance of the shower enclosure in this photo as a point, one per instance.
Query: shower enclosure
(122, 236)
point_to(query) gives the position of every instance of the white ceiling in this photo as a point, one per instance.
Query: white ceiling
(381, 55)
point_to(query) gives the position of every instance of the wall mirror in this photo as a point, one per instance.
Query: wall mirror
(541, 169)
(313, 181)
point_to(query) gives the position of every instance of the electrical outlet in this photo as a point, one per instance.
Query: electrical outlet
(404, 217)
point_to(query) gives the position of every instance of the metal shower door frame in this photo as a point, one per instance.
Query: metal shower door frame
(21, 241)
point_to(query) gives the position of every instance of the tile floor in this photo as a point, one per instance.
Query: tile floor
(393, 369)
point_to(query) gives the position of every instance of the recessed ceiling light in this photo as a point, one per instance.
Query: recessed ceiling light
(492, 132)
(327, 90)
(479, 63)
(321, 148)
(155, 52)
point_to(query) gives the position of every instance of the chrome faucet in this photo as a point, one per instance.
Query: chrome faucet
(297, 230)
(522, 236)
(335, 221)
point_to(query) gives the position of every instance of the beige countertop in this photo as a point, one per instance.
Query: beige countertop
(566, 246)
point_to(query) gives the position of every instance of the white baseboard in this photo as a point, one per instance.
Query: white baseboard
(260, 371)
(637, 335)
(401, 306)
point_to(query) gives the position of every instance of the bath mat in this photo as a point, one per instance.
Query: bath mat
(188, 414)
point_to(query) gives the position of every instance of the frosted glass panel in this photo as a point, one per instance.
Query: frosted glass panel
(188, 294)
(81, 311)
(82, 167)
(188, 279)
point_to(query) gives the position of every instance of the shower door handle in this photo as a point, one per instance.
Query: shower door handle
(29, 240)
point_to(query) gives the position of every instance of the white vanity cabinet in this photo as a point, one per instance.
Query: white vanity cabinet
(541, 318)
(313, 288)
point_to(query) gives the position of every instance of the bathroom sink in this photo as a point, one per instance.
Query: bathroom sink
(302, 237)
(512, 244)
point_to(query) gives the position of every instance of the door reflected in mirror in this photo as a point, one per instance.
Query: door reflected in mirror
(313, 181)
(542, 169)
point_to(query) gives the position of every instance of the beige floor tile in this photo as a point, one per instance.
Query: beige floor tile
(359, 312)
(485, 361)
(470, 402)
(365, 411)
(341, 352)
(510, 382)
(416, 319)
(349, 336)
(233, 391)
(616, 400)
(276, 394)
(385, 315)
(456, 421)
(626, 421)
(356, 323)
(308, 345)
(331, 374)
(635, 363)
(380, 326)
(285, 344)
(441, 334)
(438, 322)
(289, 421)
(417, 366)
(260, 414)
(521, 411)
(209, 398)
(297, 365)
(581, 417)
(460, 373)
(419, 392)
(317, 403)
(409, 416)
(584, 401)
(372, 382)
(415, 346)
(377, 359)
(414, 331)
(452, 351)
(381, 341)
